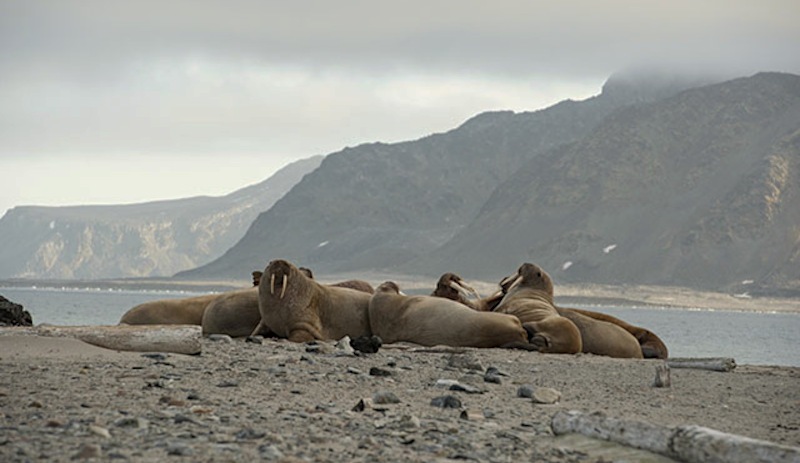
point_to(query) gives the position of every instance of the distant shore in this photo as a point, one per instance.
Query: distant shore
(581, 294)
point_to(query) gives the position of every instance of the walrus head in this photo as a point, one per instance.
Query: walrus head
(388, 287)
(451, 286)
(529, 276)
(281, 273)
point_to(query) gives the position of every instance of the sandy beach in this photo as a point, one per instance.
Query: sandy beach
(62, 399)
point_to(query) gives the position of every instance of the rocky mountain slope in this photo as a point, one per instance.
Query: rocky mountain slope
(137, 240)
(378, 206)
(701, 189)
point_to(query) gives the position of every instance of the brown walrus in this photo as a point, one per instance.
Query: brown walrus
(234, 313)
(296, 307)
(186, 311)
(430, 321)
(651, 345)
(453, 287)
(603, 338)
(530, 298)
(359, 285)
(597, 337)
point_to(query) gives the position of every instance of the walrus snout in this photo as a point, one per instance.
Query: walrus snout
(279, 269)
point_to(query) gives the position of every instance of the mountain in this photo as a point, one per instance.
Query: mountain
(136, 240)
(701, 189)
(379, 206)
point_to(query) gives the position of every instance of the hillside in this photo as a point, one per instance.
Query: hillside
(378, 206)
(137, 240)
(701, 190)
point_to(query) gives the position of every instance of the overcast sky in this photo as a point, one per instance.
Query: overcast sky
(126, 101)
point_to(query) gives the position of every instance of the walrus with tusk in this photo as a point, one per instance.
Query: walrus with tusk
(296, 307)
(453, 287)
(529, 297)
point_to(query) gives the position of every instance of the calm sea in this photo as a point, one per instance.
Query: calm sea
(750, 338)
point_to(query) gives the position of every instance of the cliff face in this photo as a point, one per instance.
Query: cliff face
(379, 206)
(138, 240)
(701, 189)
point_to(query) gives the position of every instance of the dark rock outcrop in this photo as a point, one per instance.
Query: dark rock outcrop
(13, 314)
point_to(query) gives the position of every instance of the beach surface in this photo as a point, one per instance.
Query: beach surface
(62, 399)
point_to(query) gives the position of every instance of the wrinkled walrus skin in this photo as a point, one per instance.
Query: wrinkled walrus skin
(529, 298)
(430, 321)
(296, 307)
(234, 313)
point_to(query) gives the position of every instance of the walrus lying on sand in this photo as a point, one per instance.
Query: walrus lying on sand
(650, 345)
(430, 321)
(529, 297)
(186, 311)
(296, 307)
(597, 337)
(234, 313)
(359, 285)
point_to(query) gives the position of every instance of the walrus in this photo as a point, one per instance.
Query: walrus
(453, 287)
(257, 277)
(597, 337)
(430, 321)
(186, 311)
(650, 345)
(234, 313)
(530, 298)
(359, 285)
(296, 307)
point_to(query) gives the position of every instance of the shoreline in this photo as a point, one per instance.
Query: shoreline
(591, 294)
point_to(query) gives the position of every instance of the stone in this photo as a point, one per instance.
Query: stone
(525, 391)
(269, 452)
(88, 451)
(471, 415)
(546, 395)
(220, 338)
(446, 401)
(100, 431)
(454, 385)
(13, 314)
(464, 362)
(343, 347)
(255, 339)
(376, 371)
(366, 344)
(385, 397)
(662, 376)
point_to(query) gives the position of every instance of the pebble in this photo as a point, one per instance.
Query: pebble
(454, 385)
(546, 395)
(343, 348)
(255, 339)
(376, 371)
(525, 391)
(366, 344)
(385, 397)
(228, 384)
(269, 452)
(179, 449)
(446, 401)
(88, 451)
(492, 375)
(155, 356)
(100, 431)
(464, 362)
(220, 338)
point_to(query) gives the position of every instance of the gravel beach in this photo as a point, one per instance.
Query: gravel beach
(62, 399)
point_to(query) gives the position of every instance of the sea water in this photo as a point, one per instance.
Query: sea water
(753, 338)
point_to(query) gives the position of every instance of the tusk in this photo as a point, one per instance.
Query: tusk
(258, 328)
(516, 283)
(285, 282)
(272, 284)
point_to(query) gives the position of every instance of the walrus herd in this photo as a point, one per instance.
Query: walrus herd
(286, 301)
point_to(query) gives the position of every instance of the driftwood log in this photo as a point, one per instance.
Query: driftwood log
(683, 443)
(179, 339)
(713, 363)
